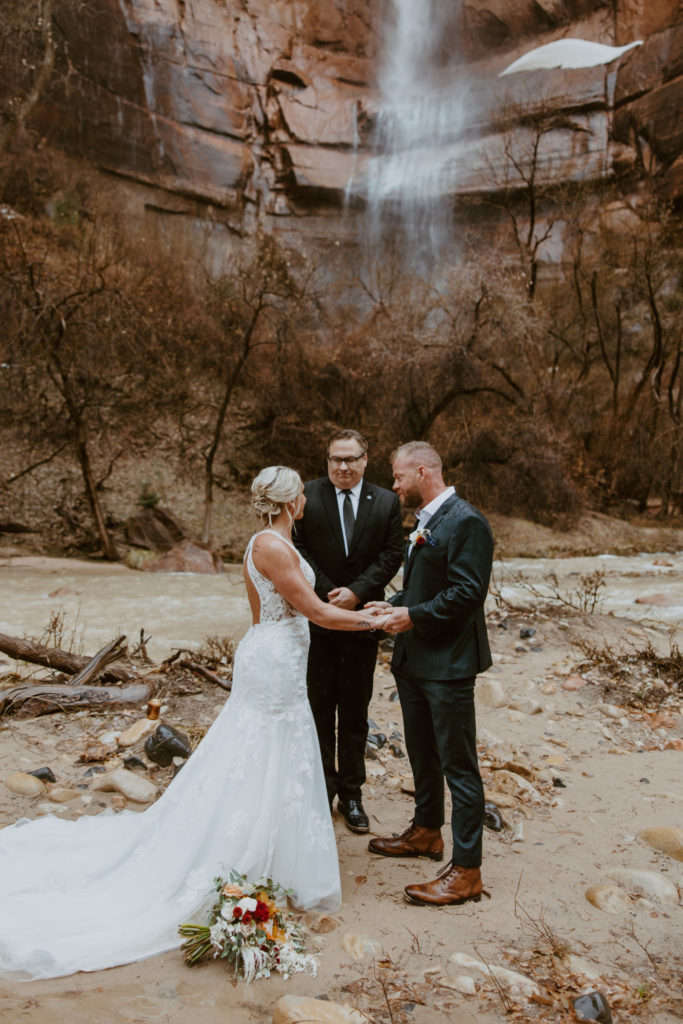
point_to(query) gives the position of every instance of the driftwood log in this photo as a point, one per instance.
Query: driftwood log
(63, 661)
(34, 699)
(206, 673)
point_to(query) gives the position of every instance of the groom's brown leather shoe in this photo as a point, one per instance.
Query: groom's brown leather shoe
(452, 886)
(416, 841)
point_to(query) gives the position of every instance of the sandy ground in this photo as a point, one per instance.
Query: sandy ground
(589, 773)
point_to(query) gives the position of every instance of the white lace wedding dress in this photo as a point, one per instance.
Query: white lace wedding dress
(113, 888)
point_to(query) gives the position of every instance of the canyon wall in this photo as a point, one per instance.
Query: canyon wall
(221, 115)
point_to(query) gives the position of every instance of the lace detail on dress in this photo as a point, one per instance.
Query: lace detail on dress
(273, 605)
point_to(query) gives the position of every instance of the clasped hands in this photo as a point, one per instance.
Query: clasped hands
(388, 618)
(381, 614)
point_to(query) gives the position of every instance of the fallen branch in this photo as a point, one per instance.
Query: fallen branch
(53, 657)
(32, 700)
(205, 673)
(110, 652)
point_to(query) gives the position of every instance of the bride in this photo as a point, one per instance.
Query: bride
(109, 889)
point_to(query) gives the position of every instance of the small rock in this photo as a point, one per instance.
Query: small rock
(611, 710)
(134, 763)
(513, 982)
(24, 784)
(44, 774)
(526, 705)
(165, 743)
(493, 819)
(393, 696)
(559, 784)
(96, 752)
(292, 1009)
(580, 965)
(487, 739)
(515, 785)
(370, 753)
(663, 561)
(396, 750)
(96, 769)
(408, 787)
(377, 739)
(358, 946)
(490, 693)
(500, 799)
(676, 744)
(461, 983)
(667, 839)
(527, 632)
(518, 833)
(658, 600)
(548, 688)
(136, 731)
(118, 801)
(63, 794)
(322, 924)
(573, 683)
(609, 898)
(593, 1006)
(645, 883)
(130, 785)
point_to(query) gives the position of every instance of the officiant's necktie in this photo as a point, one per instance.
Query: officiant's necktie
(348, 517)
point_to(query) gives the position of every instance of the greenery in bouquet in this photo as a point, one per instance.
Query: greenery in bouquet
(249, 927)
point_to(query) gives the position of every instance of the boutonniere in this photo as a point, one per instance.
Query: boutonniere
(420, 537)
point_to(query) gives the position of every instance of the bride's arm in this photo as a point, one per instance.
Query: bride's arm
(281, 565)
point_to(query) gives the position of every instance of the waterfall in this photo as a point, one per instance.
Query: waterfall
(420, 118)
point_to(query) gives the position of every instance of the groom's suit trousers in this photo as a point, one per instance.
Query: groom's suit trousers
(441, 740)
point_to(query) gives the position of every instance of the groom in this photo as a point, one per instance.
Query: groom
(441, 645)
(352, 535)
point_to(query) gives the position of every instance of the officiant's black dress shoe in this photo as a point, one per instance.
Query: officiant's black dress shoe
(353, 814)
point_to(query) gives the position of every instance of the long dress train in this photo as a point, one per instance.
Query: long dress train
(110, 889)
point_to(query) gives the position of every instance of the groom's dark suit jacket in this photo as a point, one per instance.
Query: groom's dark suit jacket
(445, 582)
(376, 546)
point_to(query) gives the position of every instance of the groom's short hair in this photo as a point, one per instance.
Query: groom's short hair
(418, 451)
(349, 435)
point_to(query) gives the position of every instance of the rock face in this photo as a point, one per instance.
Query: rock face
(238, 113)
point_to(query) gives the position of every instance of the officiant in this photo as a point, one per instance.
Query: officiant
(351, 534)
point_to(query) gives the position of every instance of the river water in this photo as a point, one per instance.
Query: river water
(96, 601)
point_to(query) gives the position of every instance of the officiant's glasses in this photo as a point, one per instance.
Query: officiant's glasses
(349, 460)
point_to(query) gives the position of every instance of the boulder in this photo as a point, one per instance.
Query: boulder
(186, 557)
(154, 529)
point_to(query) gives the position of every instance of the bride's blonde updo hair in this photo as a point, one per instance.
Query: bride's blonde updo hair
(272, 489)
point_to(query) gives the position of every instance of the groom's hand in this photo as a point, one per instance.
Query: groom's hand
(342, 597)
(398, 622)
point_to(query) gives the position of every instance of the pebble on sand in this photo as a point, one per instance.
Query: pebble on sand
(294, 1009)
(136, 731)
(573, 683)
(126, 782)
(358, 946)
(667, 839)
(512, 982)
(490, 693)
(609, 898)
(24, 784)
(63, 794)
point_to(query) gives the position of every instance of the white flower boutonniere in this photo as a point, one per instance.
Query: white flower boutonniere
(420, 537)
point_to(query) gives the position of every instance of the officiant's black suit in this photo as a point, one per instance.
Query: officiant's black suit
(341, 665)
(445, 582)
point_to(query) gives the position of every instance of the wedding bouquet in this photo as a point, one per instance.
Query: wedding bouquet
(249, 928)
